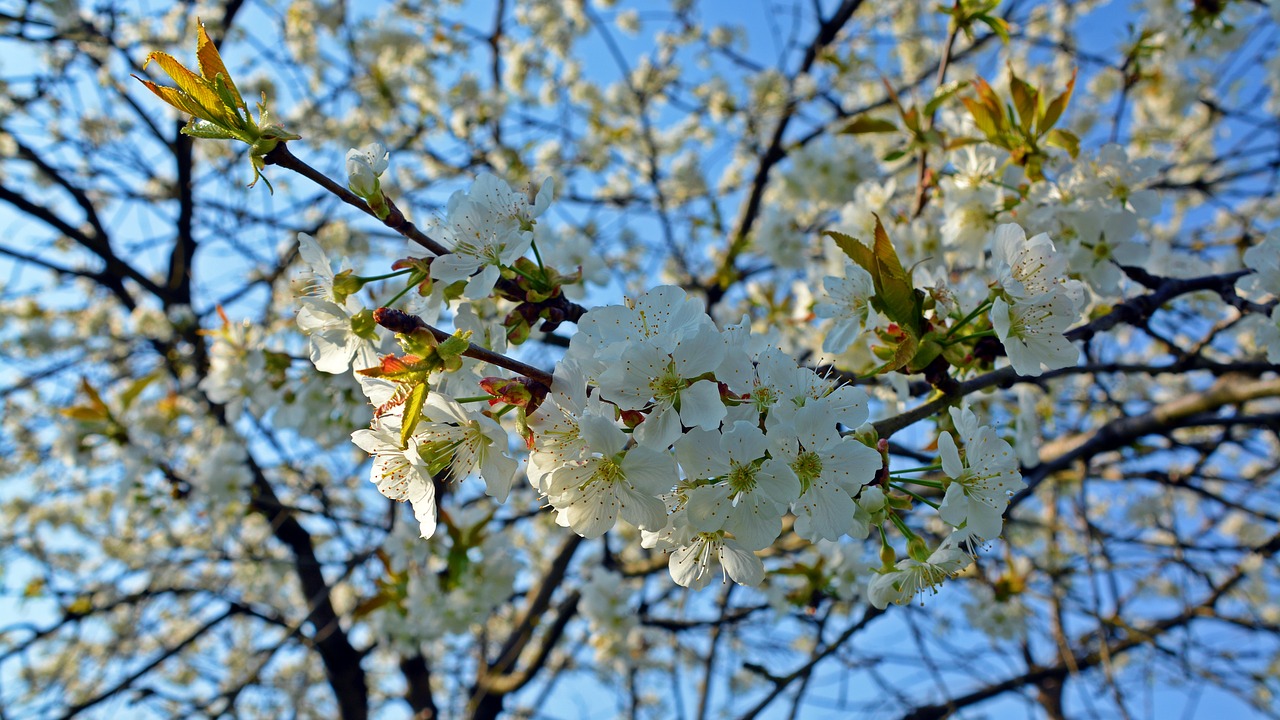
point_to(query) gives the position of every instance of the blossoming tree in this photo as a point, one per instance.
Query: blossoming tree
(573, 357)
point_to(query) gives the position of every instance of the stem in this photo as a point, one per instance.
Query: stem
(395, 220)
(927, 468)
(902, 526)
(405, 323)
(922, 194)
(538, 256)
(926, 501)
(399, 295)
(969, 318)
(972, 336)
(936, 484)
(372, 278)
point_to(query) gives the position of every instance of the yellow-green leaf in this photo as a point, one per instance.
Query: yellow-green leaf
(1057, 106)
(864, 124)
(893, 284)
(412, 412)
(981, 116)
(197, 88)
(211, 63)
(942, 94)
(855, 251)
(1063, 139)
(1026, 99)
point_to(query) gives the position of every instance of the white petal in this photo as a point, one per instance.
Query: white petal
(951, 464)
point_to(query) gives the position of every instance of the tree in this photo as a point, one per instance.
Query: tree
(947, 382)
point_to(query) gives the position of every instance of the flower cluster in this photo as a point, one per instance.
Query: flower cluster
(1036, 302)
(708, 441)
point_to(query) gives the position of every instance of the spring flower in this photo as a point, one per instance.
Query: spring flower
(1032, 333)
(591, 494)
(912, 576)
(848, 306)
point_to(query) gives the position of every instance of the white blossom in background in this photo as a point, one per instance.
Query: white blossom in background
(848, 304)
(364, 166)
(1264, 260)
(1267, 335)
(910, 577)
(340, 335)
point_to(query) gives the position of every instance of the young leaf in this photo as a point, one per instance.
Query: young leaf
(893, 284)
(942, 94)
(864, 124)
(1057, 106)
(855, 250)
(211, 65)
(1026, 99)
(412, 412)
(1063, 139)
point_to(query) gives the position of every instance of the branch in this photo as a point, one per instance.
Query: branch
(1083, 661)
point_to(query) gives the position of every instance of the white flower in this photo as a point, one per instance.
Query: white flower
(469, 441)
(831, 469)
(400, 472)
(1106, 241)
(913, 576)
(480, 243)
(749, 494)
(364, 167)
(980, 484)
(338, 339)
(1264, 260)
(848, 305)
(1032, 333)
(340, 332)
(590, 494)
(513, 209)
(692, 565)
(1029, 268)
(650, 376)
(663, 316)
(968, 212)
(1268, 335)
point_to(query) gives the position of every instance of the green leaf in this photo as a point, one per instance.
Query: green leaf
(1063, 139)
(928, 351)
(893, 285)
(957, 143)
(1056, 107)
(997, 25)
(895, 155)
(855, 250)
(198, 128)
(981, 117)
(1026, 99)
(902, 354)
(863, 124)
(412, 412)
(942, 94)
